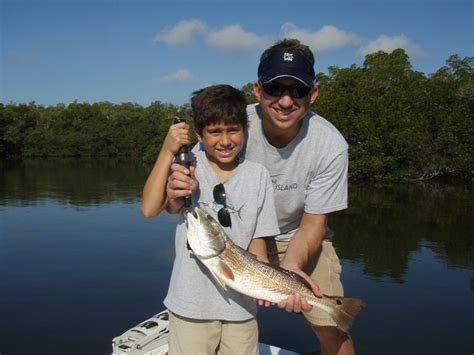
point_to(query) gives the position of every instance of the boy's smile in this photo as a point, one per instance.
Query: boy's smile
(222, 143)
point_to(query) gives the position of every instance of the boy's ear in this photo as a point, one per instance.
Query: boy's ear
(198, 135)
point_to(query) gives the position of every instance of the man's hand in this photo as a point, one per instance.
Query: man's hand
(295, 303)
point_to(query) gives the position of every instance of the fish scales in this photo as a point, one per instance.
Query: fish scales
(236, 268)
(264, 280)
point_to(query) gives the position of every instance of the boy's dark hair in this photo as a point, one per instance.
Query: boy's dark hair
(291, 44)
(218, 103)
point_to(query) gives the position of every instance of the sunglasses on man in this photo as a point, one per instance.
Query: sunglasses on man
(276, 89)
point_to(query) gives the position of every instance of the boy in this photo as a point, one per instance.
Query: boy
(204, 318)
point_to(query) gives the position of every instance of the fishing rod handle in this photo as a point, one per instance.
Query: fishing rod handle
(183, 158)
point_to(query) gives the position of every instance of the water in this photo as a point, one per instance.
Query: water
(80, 265)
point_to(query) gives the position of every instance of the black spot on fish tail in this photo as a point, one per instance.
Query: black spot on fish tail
(346, 311)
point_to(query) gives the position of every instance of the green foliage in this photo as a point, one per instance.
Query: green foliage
(84, 130)
(248, 90)
(16, 122)
(398, 122)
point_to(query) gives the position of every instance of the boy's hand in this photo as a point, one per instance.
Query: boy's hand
(264, 303)
(178, 135)
(181, 182)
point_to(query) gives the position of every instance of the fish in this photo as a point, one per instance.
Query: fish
(238, 269)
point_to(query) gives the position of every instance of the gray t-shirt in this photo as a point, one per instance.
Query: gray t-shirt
(308, 175)
(193, 292)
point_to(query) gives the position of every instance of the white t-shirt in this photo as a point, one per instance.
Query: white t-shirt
(308, 175)
(193, 292)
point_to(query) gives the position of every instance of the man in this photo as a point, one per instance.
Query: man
(307, 159)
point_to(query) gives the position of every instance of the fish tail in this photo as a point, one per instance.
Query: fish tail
(346, 310)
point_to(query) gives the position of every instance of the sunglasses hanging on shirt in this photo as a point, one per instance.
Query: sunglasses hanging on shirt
(223, 215)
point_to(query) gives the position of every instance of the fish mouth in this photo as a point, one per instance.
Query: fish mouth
(191, 218)
(194, 215)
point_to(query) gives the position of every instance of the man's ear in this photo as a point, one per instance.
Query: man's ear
(257, 90)
(314, 94)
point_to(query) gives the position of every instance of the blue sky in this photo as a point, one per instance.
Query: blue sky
(141, 51)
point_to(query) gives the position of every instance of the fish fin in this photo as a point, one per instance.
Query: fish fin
(223, 272)
(346, 310)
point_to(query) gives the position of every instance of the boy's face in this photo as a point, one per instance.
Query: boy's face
(222, 143)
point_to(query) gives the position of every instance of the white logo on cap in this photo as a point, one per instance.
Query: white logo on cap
(288, 57)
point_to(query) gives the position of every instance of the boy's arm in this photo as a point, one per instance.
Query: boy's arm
(154, 193)
(258, 247)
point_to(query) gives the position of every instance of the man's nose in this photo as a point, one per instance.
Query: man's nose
(285, 99)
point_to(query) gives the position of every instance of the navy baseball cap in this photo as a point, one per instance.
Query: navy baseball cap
(286, 63)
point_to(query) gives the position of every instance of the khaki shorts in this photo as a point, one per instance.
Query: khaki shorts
(193, 336)
(324, 269)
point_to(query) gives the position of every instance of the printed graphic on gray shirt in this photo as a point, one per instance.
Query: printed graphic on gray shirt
(282, 186)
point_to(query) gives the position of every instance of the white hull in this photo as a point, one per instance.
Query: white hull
(150, 337)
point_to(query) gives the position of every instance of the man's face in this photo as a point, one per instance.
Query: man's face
(283, 113)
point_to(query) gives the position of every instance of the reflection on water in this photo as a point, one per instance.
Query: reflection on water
(385, 224)
(74, 181)
(79, 264)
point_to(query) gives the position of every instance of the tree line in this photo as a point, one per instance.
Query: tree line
(399, 123)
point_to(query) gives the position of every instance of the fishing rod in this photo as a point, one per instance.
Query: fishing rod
(184, 157)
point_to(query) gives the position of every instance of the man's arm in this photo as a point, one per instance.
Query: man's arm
(306, 242)
(302, 247)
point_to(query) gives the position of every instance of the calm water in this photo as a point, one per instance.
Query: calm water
(80, 265)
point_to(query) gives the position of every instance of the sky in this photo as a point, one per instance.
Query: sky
(141, 51)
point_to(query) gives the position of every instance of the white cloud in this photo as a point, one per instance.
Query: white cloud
(327, 38)
(231, 38)
(234, 38)
(180, 75)
(182, 32)
(388, 44)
